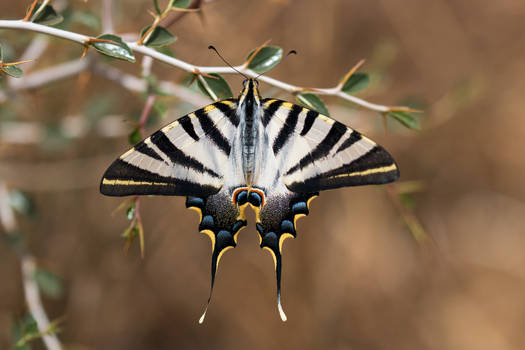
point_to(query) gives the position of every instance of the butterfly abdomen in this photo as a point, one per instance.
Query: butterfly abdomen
(249, 112)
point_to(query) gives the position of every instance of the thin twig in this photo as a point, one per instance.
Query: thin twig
(135, 84)
(64, 70)
(146, 112)
(47, 75)
(28, 267)
(410, 219)
(174, 17)
(83, 39)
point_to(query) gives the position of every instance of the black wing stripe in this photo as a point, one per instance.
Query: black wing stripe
(323, 148)
(145, 149)
(376, 158)
(177, 156)
(353, 138)
(124, 179)
(270, 111)
(186, 124)
(228, 112)
(287, 128)
(374, 167)
(309, 121)
(212, 132)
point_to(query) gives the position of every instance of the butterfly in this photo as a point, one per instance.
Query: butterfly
(271, 155)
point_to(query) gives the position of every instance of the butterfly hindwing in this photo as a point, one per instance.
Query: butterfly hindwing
(221, 220)
(183, 158)
(315, 152)
(276, 221)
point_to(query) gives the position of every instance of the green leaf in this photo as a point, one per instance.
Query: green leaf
(29, 324)
(159, 37)
(15, 241)
(405, 118)
(266, 59)
(87, 19)
(23, 331)
(21, 202)
(130, 211)
(157, 7)
(46, 16)
(218, 88)
(313, 102)
(356, 82)
(165, 50)
(22, 347)
(13, 71)
(49, 283)
(153, 86)
(407, 200)
(119, 49)
(16, 331)
(134, 137)
(160, 108)
(131, 232)
(8, 53)
(181, 4)
(1, 53)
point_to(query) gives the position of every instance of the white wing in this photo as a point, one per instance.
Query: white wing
(184, 158)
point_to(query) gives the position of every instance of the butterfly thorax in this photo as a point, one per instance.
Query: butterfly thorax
(248, 110)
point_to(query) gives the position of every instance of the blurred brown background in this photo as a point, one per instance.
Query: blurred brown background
(355, 278)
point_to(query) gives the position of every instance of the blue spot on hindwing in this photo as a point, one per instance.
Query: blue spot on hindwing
(270, 240)
(194, 202)
(207, 222)
(224, 239)
(300, 208)
(287, 226)
(238, 225)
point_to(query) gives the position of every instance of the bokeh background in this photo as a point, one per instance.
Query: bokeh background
(355, 277)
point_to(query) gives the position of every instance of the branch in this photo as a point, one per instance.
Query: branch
(47, 75)
(135, 84)
(128, 81)
(28, 265)
(134, 46)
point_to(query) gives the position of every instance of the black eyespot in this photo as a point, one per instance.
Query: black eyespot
(245, 81)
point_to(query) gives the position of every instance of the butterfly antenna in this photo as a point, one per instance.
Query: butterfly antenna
(211, 47)
(291, 52)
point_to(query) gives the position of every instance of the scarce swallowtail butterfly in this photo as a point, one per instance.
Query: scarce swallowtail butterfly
(272, 155)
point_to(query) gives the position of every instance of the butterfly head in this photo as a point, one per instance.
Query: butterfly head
(250, 92)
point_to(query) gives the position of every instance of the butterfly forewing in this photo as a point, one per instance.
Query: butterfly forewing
(188, 157)
(318, 153)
